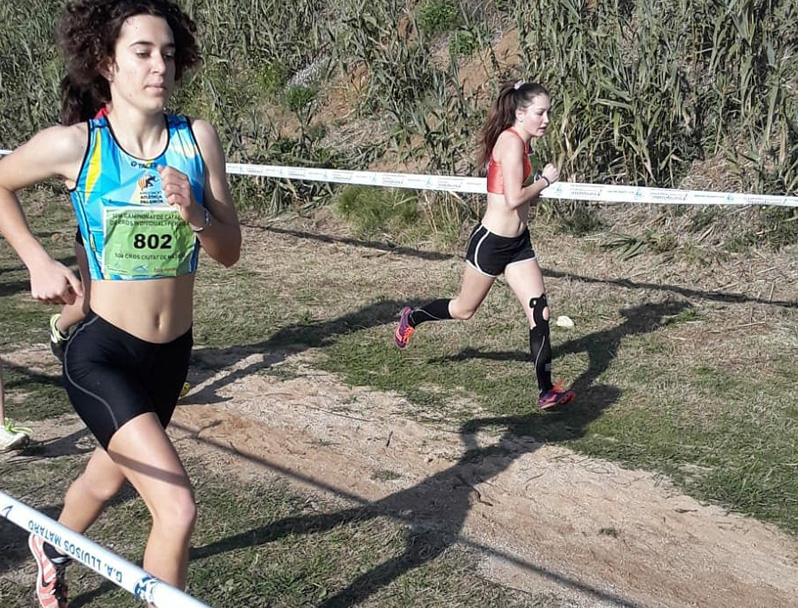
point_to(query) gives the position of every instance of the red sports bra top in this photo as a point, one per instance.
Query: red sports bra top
(495, 176)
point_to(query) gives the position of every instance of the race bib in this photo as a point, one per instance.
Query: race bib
(149, 242)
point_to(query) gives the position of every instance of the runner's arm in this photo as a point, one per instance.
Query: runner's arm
(53, 152)
(510, 151)
(222, 238)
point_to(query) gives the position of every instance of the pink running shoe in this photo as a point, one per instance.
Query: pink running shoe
(556, 397)
(51, 587)
(403, 331)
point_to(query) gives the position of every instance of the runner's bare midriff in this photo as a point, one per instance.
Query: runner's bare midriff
(503, 221)
(162, 311)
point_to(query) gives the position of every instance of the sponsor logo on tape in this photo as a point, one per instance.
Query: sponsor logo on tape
(295, 173)
(584, 191)
(708, 195)
(343, 177)
(393, 179)
(449, 183)
(145, 589)
(669, 196)
(756, 200)
(418, 181)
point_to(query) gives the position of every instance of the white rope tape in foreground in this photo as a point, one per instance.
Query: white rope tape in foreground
(478, 185)
(117, 570)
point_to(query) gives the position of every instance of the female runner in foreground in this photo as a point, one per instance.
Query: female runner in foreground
(149, 189)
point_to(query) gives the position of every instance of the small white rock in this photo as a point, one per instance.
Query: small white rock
(563, 321)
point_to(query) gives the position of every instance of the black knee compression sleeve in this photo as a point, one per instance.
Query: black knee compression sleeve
(437, 310)
(540, 343)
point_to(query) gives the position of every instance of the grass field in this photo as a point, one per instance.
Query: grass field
(675, 372)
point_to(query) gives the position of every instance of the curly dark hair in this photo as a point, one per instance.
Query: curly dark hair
(87, 35)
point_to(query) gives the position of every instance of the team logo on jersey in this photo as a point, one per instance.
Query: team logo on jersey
(146, 181)
(141, 164)
(148, 191)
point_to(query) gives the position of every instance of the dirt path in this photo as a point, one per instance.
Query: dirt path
(547, 520)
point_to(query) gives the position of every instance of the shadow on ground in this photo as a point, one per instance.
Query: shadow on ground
(435, 509)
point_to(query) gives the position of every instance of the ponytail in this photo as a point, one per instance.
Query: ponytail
(512, 96)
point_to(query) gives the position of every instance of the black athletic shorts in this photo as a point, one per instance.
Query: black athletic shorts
(112, 376)
(490, 253)
(78, 238)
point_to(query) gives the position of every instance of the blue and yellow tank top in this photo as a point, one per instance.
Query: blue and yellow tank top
(128, 229)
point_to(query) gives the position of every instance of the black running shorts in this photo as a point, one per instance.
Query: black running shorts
(112, 376)
(490, 253)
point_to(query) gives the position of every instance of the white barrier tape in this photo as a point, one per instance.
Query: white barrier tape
(117, 570)
(364, 178)
(478, 185)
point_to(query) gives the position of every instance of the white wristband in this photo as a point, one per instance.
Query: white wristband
(205, 224)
